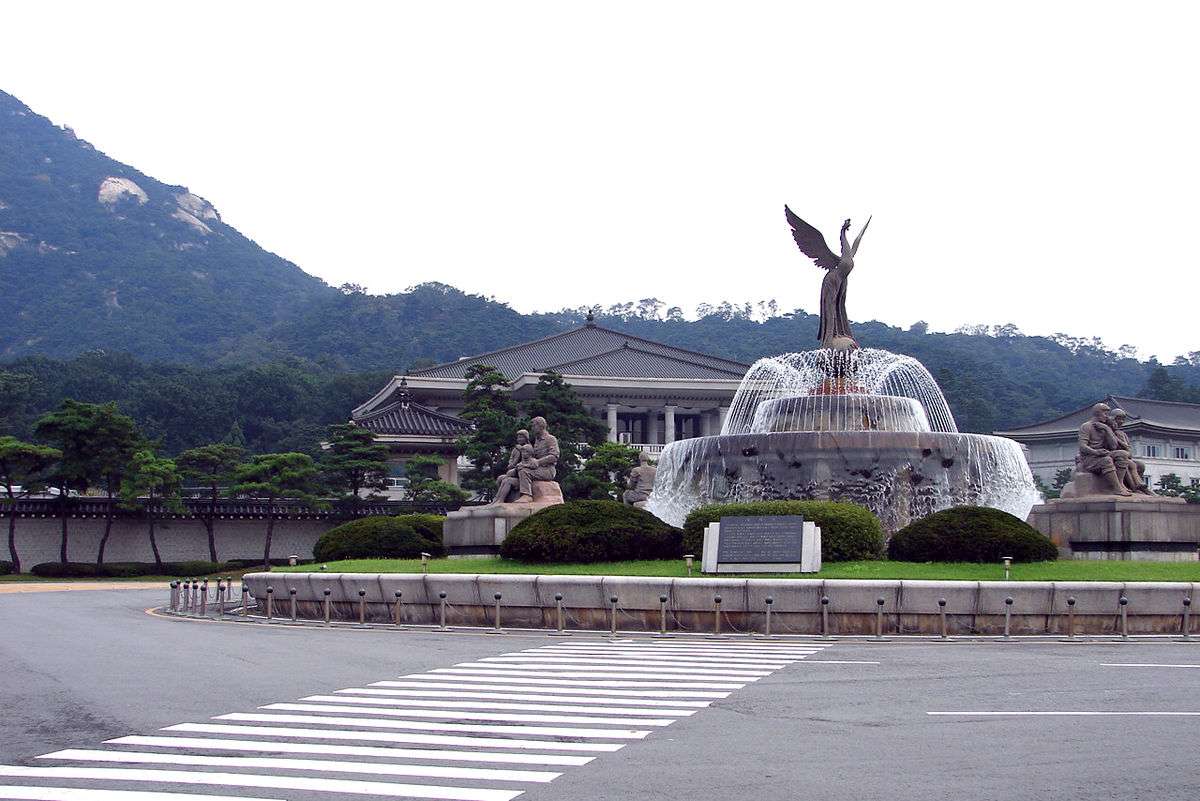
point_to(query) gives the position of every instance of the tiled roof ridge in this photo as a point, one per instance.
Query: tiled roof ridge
(413, 406)
(1152, 400)
(626, 346)
(478, 358)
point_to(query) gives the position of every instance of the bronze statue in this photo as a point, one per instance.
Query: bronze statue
(529, 461)
(1098, 453)
(1133, 472)
(835, 323)
(640, 482)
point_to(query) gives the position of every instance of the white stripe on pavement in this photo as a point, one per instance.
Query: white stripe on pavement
(531, 695)
(445, 674)
(641, 656)
(655, 663)
(315, 765)
(1049, 713)
(739, 681)
(543, 687)
(209, 744)
(442, 703)
(607, 666)
(420, 725)
(80, 794)
(270, 782)
(1144, 665)
(451, 714)
(392, 737)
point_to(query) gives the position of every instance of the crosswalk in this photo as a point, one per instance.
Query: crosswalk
(486, 730)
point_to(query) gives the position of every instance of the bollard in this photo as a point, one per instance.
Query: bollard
(559, 619)
(879, 602)
(496, 623)
(292, 601)
(195, 595)
(442, 611)
(942, 613)
(270, 602)
(1008, 602)
(362, 607)
(1187, 611)
(688, 560)
(716, 616)
(424, 562)
(767, 628)
(399, 611)
(1008, 560)
(824, 617)
(204, 598)
(245, 608)
(220, 599)
(186, 598)
(327, 609)
(1070, 617)
(662, 618)
(613, 631)
(174, 594)
(1124, 602)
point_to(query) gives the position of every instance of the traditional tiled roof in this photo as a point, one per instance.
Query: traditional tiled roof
(1159, 414)
(415, 420)
(595, 350)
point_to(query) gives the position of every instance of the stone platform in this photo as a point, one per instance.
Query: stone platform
(1111, 527)
(479, 530)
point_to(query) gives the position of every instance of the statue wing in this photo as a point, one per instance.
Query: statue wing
(810, 241)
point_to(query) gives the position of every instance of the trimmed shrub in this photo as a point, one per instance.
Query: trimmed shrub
(591, 531)
(381, 537)
(257, 563)
(970, 534)
(848, 531)
(127, 569)
(5, 568)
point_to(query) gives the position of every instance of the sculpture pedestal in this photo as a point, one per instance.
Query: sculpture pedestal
(1147, 527)
(1089, 485)
(479, 530)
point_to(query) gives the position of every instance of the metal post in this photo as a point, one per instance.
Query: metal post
(767, 627)
(1187, 612)
(1008, 602)
(1008, 560)
(328, 611)
(662, 616)
(362, 607)
(824, 617)
(424, 562)
(174, 594)
(270, 602)
(716, 615)
(559, 618)
(688, 560)
(220, 599)
(496, 623)
(204, 598)
(1071, 617)
(942, 614)
(195, 595)
(245, 608)
(399, 613)
(187, 596)
(292, 600)
(442, 611)
(613, 631)
(1124, 602)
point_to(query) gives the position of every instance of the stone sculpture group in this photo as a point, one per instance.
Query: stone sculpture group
(531, 468)
(1105, 453)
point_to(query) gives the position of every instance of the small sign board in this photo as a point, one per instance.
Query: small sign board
(762, 544)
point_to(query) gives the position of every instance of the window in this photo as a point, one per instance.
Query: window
(1151, 451)
(1183, 453)
(1196, 482)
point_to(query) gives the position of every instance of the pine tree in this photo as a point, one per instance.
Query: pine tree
(24, 468)
(577, 431)
(495, 419)
(213, 466)
(353, 462)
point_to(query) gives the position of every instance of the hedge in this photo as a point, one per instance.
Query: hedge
(5, 567)
(591, 531)
(970, 534)
(382, 537)
(848, 531)
(127, 569)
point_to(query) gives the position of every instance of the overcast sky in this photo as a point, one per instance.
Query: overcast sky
(1033, 163)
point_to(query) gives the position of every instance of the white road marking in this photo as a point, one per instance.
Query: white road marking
(316, 765)
(451, 714)
(210, 744)
(533, 695)
(270, 782)
(1144, 665)
(652, 664)
(839, 662)
(674, 659)
(392, 737)
(544, 687)
(1050, 713)
(598, 674)
(421, 725)
(458, 674)
(443, 704)
(80, 794)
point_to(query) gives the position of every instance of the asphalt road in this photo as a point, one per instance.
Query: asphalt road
(489, 717)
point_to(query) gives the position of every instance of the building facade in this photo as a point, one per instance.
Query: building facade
(1165, 436)
(647, 393)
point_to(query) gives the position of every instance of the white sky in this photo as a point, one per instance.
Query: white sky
(1033, 163)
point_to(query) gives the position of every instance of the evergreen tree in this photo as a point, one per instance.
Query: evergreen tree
(353, 462)
(152, 483)
(424, 486)
(577, 431)
(1161, 385)
(23, 471)
(604, 475)
(213, 466)
(495, 420)
(275, 476)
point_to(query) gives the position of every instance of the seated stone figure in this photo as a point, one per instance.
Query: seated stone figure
(531, 468)
(1100, 456)
(1134, 475)
(640, 482)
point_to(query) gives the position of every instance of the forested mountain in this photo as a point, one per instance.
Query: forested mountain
(116, 286)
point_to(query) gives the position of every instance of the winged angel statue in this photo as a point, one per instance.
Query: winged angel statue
(835, 324)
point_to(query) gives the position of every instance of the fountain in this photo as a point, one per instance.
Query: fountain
(843, 423)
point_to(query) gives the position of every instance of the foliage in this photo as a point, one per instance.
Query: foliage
(424, 486)
(275, 476)
(970, 534)
(7, 568)
(379, 536)
(568, 420)
(493, 414)
(848, 531)
(605, 474)
(591, 531)
(23, 471)
(128, 569)
(1172, 486)
(1161, 385)
(213, 466)
(150, 482)
(353, 462)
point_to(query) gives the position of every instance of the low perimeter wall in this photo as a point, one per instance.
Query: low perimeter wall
(909, 607)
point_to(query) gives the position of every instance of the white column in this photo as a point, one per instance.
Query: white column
(652, 426)
(669, 423)
(612, 422)
(722, 413)
(706, 423)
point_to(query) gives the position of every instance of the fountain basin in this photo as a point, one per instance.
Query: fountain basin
(900, 476)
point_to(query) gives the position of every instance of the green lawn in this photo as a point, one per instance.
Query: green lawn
(1063, 570)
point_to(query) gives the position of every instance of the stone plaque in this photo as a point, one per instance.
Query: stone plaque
(764, 540)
